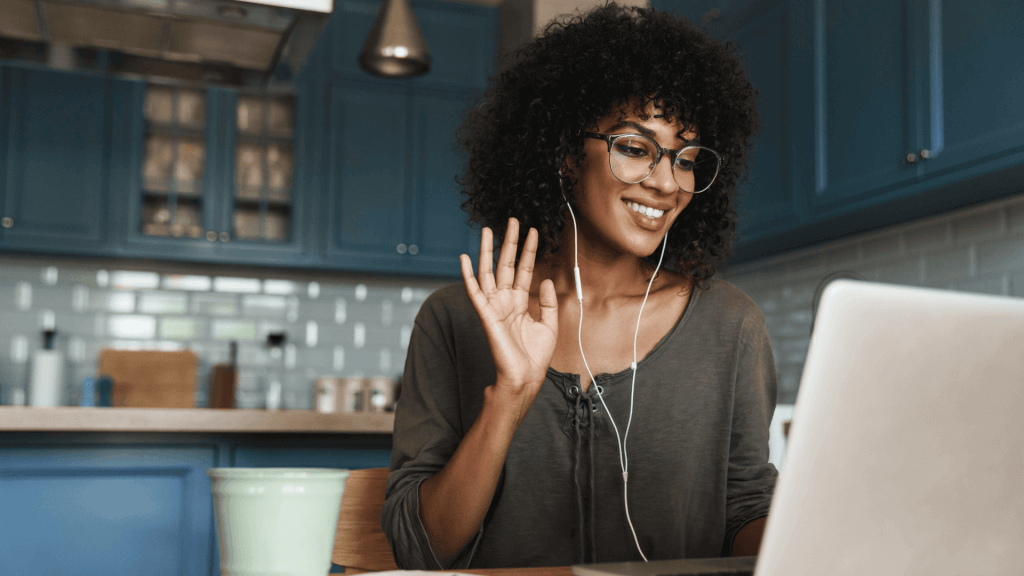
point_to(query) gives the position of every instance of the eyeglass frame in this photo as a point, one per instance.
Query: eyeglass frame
(673, 155)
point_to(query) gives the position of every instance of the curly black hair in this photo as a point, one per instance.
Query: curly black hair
(581, 69)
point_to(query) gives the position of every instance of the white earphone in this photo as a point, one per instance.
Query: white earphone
(621, 442)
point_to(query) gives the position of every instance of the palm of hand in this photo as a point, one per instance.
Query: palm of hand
(521, 346)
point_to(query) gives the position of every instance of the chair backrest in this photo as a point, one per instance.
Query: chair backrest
(359, 543)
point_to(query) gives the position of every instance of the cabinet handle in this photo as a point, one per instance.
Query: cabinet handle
(224, 236)
(8, 222)
(402, 248)
(911, 157)
(211, 235)
(925, 154)
(414, 249)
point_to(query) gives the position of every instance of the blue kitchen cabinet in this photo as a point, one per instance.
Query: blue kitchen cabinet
(392, 201)
(111, 509)
(56, 131)
(138, 503)
(873, 112)
(367, 195)
(214, 202)
(979, 119)
(438, 224)
(769, 48)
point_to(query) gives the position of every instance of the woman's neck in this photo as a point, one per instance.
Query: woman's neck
(605, 276)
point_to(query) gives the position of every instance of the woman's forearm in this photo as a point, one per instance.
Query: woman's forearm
(453, 503)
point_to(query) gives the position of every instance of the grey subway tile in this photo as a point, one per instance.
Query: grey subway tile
(978, 226)
(115, 301)
(237, 285)
(134, 280)
(264, 306)
(187, 282)
(135, 326)
(1001, 255)
(947, 266)
(231, 329)
(153, 302)
(1015, 218)
(934, 236)
(881, 246)
(214, 304)
(907, 271)
(998, 285)
(1017, 284)
(183, 328)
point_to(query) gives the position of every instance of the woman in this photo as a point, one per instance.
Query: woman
(596, 396)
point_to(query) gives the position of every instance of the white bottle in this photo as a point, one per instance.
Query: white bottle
(46, 384)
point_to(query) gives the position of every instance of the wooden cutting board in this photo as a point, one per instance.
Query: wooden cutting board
(150, 378)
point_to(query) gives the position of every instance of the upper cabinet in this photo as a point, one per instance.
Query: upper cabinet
(214, 175)
(391, 202)
(978, 117)
(56, 133)
(348, 172)
(873, 112)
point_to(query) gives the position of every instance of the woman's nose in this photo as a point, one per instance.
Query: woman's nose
(662, 178)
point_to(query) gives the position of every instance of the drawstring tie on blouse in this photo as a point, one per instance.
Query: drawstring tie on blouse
(579, 425)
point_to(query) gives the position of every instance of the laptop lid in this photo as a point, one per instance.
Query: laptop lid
(906, 454)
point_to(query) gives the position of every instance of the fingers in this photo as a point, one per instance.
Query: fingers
(486, 278)
(549, 305)
(472, 287)
(506, 272)
(524, 276)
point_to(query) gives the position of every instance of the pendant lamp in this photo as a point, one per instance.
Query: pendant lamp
(395, 46)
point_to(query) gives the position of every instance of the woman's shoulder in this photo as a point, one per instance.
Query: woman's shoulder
(447, 307)
(720, 296)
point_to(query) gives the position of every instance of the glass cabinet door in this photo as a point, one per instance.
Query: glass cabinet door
(175, 162)
(264, 166)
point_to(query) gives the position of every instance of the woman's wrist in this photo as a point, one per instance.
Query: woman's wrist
(509, 403)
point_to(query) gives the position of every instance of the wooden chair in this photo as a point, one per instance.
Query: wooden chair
(359, 543)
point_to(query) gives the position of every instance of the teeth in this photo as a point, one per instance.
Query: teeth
(646, 210)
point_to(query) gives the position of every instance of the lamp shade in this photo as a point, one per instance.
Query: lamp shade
(395, 46)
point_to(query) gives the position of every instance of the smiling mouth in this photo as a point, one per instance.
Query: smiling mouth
(652, 213)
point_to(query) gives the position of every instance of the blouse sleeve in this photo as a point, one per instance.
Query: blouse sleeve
(751, 478)
(427, 431)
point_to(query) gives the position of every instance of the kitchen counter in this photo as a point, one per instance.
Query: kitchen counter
(197, 420)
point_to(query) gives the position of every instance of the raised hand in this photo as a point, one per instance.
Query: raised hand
(521, 346)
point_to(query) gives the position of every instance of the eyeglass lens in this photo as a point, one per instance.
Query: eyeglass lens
(632, 160)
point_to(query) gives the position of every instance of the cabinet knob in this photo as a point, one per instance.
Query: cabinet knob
(224, 236)
(8, 222)
(402, 248)
(911, 157)
(414, 249)
(925, 154)
(211, 235)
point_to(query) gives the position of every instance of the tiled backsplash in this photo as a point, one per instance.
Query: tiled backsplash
(361, 327)
(979, 249)
(342, 326)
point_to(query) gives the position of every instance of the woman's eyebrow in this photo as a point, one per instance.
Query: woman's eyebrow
(630, 124)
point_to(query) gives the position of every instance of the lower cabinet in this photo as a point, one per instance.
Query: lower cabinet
(97, 504)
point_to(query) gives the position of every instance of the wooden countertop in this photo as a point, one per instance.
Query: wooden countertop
(196, 420)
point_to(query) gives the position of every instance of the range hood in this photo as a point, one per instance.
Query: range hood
(258, 43)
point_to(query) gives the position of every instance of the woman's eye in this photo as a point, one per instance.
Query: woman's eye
(685, 165)
(630, 150)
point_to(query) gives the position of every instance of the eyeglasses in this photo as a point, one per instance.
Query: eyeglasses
(633, 157)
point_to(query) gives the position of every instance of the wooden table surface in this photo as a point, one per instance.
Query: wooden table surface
(548, 571)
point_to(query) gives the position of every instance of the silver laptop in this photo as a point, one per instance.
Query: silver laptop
(906, 454)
